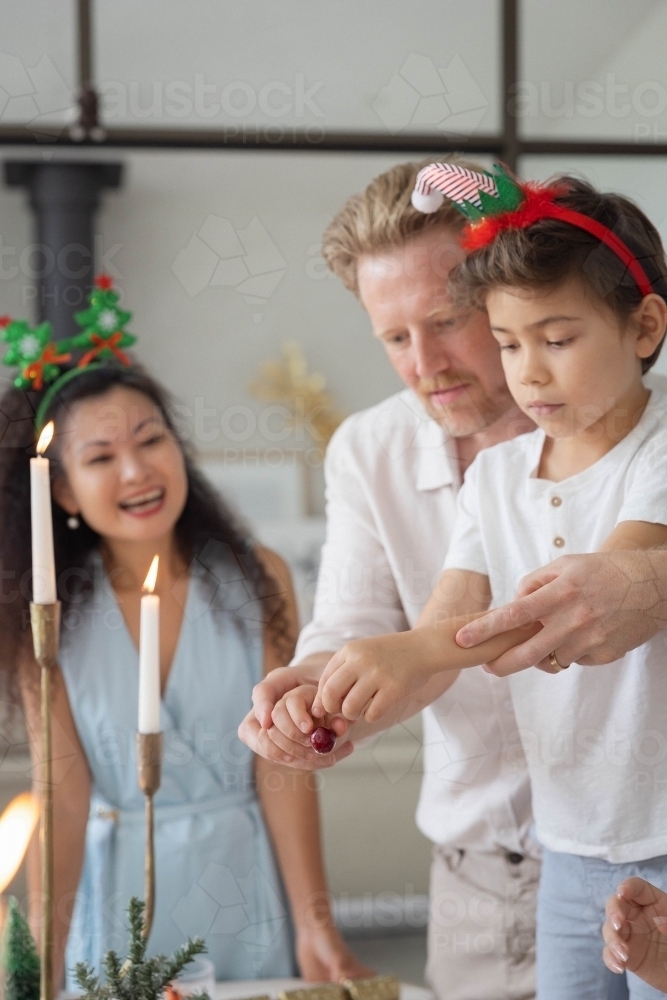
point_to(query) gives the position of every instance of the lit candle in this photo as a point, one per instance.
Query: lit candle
(43, 559)
(149, 655)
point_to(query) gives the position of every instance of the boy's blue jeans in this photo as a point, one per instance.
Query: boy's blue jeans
(570, 913)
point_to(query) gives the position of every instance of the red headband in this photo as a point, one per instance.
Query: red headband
(493, 203)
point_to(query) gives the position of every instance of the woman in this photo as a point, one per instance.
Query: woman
(125, 489)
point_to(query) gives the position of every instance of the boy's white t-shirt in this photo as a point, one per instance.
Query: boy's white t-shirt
(595, 737)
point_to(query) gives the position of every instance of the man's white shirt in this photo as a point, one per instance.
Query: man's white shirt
(391, 509)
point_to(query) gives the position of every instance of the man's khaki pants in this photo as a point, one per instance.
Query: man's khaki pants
(481, 932)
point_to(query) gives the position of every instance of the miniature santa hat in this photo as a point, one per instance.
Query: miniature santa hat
(440, 180)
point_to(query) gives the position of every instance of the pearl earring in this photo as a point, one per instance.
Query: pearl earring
(73, 522)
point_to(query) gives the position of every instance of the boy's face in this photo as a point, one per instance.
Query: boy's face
(568, 359)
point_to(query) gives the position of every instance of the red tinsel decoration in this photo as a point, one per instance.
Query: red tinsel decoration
(538, 201)
(539, 204)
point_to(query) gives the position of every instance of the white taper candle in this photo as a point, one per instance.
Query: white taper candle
(149, 656)
(43, 559)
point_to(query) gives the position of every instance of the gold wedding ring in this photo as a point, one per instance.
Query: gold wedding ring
(555, 664)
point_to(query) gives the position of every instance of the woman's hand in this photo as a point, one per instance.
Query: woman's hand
(323, 956)
(635, 932)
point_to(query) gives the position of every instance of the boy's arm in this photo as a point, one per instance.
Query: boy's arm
(370, 677)
(635, 535)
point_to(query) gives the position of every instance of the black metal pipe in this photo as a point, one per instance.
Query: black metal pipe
(510, 74)
(85, 44)
(270, 138)
(248, 139)
(64, 198)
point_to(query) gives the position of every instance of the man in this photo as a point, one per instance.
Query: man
(392, 474)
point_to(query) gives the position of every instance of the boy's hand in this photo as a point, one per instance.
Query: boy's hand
(367, 677)
(292, 717)
(635, 932)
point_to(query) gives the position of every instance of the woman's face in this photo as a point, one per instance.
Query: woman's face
(124, 470)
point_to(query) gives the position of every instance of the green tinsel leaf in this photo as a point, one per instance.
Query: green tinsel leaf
(490, 204)
(470, 211)
(510, 194)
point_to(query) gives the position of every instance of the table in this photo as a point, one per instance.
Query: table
(238, 990)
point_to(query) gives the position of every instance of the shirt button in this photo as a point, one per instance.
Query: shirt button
(559, 542)
(556, 501)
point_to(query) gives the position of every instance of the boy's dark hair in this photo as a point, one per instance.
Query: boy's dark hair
(549, 251)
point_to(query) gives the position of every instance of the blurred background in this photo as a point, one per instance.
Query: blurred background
(197, 151)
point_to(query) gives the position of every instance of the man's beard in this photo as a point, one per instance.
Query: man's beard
(473, 412)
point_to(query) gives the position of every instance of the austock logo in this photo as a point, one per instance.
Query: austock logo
(421, 94)
(28, 95)
(219, 256)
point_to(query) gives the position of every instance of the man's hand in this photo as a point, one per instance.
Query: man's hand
(276, 684)
(594, 608)
(635, 932)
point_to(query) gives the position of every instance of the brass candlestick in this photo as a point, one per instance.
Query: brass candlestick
(149, 765)
(45, 622)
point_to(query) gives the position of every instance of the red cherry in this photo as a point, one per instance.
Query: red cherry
(323, 740)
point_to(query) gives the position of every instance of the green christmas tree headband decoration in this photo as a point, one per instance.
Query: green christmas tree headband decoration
(42, 361)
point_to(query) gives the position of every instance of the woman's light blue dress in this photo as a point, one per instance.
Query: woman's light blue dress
(215, 870)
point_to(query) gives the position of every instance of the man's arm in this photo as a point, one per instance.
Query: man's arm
(356, 596)
(594, 608)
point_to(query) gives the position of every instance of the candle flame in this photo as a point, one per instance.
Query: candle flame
(45, 437)
(16, 826)
(151, 577)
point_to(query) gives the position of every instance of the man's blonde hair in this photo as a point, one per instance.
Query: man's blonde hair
(382, 218)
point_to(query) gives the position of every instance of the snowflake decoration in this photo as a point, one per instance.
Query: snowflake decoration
(30, 346)
(108, 320)
(25, 342)
(34, 353)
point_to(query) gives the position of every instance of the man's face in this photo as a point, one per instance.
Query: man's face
(446, 355)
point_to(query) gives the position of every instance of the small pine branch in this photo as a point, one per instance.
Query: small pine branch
(135, 913)
(183, 957)
(86, 979)
(113, 975)
(140, 978)
(20, 958)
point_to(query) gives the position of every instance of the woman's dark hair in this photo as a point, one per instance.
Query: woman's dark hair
(549, 251)
(205, 523)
